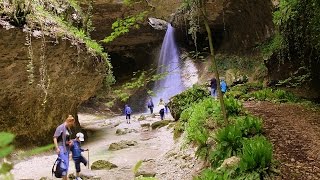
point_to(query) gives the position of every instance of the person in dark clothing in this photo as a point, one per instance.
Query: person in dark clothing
(161, 107)
(76, 154)
(150, 106)
(213, 86)
(127, 111)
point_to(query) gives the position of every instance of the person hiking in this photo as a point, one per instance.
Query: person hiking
(223, 86)
(127, 111)
(161, 107)
(76, 154)
(213, 86)
(150, 106)
(166, 107)
(62, 143)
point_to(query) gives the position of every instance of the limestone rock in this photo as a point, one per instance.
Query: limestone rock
(121, 145)
(102, 164)
(230, 162)
(158, 24)
(28, 105)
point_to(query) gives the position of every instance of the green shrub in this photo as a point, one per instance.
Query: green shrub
(233, 106)
(249, 125)
(278, 95)
(185, 99)
(229, 143)
(178, 129)
(256, 155)
(196, 127)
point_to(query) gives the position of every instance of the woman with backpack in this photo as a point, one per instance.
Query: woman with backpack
(62, 141)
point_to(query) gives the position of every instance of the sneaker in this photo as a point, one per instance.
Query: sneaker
(78, 178)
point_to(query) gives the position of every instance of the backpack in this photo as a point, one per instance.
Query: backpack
(57, 168)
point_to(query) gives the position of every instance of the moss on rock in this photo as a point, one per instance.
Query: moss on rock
(183, 100)
(160, 124)
(102, 164)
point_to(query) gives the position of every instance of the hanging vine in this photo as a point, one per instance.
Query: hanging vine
(30, 66)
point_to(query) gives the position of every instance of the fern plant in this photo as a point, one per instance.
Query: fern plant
(256, 155)
(249, 125)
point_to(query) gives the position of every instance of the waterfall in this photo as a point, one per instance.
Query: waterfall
(169, 63)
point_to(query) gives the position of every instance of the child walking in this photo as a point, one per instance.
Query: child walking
(76, 153)
(127, 111)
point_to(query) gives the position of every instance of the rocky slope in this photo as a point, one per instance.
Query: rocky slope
(69, 77)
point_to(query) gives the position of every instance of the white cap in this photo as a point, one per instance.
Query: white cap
(80, 136)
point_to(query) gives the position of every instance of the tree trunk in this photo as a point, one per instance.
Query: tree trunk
(215, 69)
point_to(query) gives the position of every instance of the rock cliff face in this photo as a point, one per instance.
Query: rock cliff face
(72, 77)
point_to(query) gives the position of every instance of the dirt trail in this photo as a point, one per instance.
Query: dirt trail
(295, 133)
(163, 156)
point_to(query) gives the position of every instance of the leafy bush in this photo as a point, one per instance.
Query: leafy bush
(197, 127)
(233, 106)
(184, 100)
(229, 143)
(249, 125)
(278, 95)
(256, 155)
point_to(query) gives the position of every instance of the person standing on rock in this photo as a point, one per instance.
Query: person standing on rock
(62, 142)
(150, 106)
(161, 107)
(127, 111)
(213, 86)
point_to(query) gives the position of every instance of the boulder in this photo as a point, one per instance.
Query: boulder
(121, 145)
(32, 105)
(102, 164)
(183, 100)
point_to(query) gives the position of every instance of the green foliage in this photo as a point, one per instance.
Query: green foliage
(233, 106)
(276, 43)
(185, 99)
(178, 129)
(297, 38)
(6, 148)
(269, 94)
(256, 155)
(122, 26)
(249, 125)
(5, 144)
(229, 143)
(209, 174)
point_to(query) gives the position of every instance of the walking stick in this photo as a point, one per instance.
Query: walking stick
(88, 160)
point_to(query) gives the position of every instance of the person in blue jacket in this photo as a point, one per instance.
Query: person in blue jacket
(127, 111)
(76, 153)
(223, 86)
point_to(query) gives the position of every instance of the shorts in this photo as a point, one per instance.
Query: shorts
(77, 162)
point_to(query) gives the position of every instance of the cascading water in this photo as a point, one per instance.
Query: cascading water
(169, 64)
